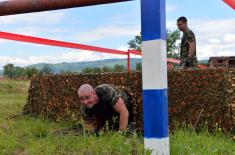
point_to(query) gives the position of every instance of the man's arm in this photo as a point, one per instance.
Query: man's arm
(120, 107)
(192, 49)
(88, 122)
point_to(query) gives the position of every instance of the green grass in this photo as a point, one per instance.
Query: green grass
(189, 142)
(35, 136)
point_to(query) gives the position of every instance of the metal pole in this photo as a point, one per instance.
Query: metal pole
(11, 7)
(43, 41)
(155, 98)
(128, 62)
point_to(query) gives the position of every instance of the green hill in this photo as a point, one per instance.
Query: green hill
(205, 62)
(79, 66)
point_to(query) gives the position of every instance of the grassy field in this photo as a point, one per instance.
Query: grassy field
(30, 136)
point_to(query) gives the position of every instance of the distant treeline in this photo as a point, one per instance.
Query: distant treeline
(16, 72)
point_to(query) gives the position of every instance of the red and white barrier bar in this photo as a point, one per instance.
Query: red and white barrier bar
(36, 40)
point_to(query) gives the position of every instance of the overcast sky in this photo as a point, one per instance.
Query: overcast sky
(112, 26)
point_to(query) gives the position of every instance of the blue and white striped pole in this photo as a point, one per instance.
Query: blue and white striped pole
(155, 98)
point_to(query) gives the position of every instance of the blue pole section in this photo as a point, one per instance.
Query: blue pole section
(155, 97)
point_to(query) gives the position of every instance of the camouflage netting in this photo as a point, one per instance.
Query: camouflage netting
(198, 98)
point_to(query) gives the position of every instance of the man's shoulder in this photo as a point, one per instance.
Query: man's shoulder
(189, 35)
(108, 93)
(189, 32)
(104, 87)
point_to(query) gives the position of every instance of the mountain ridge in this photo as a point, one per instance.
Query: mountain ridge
(79, 66)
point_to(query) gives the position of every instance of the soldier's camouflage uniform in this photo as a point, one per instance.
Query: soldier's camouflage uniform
(103, 113)
(188, 36)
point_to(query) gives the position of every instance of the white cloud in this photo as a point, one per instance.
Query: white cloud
(120, 18)
(109, 31)
(72, 56)
(214, 37)
(3, 41)
(34, 24)
(28, 30)
(214, 40)
(33, 18)
(229, 38)
(123, 48)
(39, 31)
(171, 8)
(171, 25)
(118, 25)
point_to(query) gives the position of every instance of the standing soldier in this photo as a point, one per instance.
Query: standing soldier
(188, 45)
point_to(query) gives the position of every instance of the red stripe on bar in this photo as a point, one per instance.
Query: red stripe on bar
(29, 39)
(173, 60)
(135, 52)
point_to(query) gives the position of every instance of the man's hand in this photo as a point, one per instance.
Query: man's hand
(89, 125)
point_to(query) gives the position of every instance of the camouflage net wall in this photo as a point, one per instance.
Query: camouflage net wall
(198, 98)
(201, 99)
(232, 93)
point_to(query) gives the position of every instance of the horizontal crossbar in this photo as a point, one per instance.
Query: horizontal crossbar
(11, 7)
(36, 40)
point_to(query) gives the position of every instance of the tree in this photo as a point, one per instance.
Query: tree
(172, 46)
(46, 69)
(64, 72)
(119, 68)
(19, 72)
(87, 70)
(30, 72)
(138, 67)
(107, 69)
(135, 44)
(97, 70)
(9, 71)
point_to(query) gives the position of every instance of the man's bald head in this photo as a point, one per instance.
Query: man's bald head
(87, 95)
(85, 88)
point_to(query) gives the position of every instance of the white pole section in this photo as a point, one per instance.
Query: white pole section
(154, 61)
